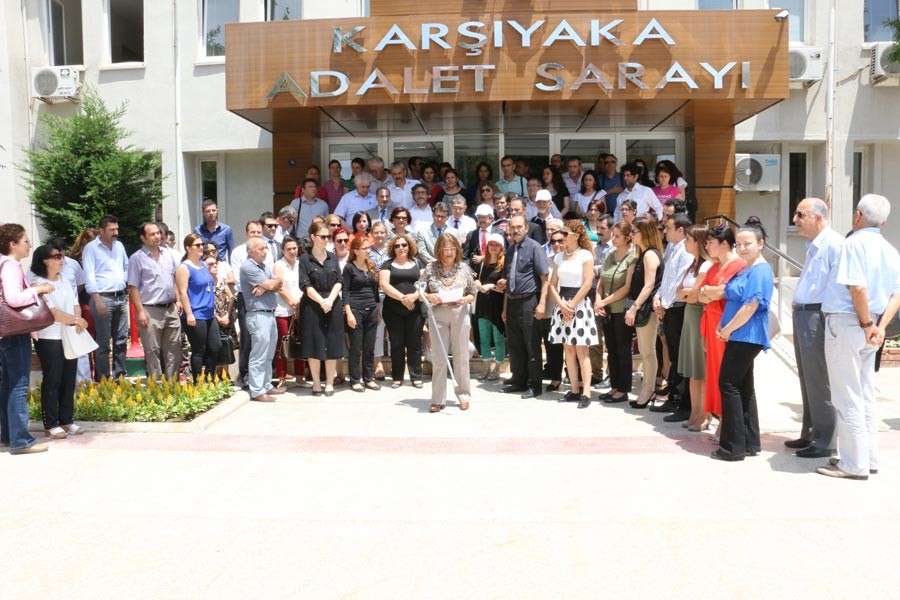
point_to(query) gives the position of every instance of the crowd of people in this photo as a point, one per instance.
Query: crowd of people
(545, 267)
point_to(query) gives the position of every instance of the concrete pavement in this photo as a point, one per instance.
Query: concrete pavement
(369, 496)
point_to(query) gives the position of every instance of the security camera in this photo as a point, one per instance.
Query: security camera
(781, 16)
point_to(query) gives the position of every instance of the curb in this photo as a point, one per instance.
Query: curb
(201, 423)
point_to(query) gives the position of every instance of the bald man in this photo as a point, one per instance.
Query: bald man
(259, 287)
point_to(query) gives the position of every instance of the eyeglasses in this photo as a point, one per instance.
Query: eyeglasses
(800, 214)
(487, 189)
(626, 209)
(401, 218)
(439, 216)
(563, 241)
(196, 245)
(321, 236)
(271, 225)
(55, 257)
(341, 241)
(568, 233)
(401, 245)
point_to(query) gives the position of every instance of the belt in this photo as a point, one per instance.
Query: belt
(166, 305)
(678, 304)
(265, 310)
(115, 294)
(521, 296)
(807, 306)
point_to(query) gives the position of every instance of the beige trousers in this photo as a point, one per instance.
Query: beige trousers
(646, 338)
(454, 325)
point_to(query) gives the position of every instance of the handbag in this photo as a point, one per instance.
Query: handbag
(77, 344)
(290, 343)
(16, 321)
(226, 351)
(642, 317)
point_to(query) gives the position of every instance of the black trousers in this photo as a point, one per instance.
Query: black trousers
(405, 334)
(678, 385)
(618, 338)
(205, 345)
(740, 420)
(57, 385)
(362, 344)
(524, 343)
(244, 352)
(554, 351)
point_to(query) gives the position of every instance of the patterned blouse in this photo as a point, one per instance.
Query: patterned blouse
(460, 276)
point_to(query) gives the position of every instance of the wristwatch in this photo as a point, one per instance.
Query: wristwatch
(866, 325)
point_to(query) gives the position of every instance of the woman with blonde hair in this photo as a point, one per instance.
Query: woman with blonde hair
(646, 278)
(402, 309)
(449, 276)
(573, 324)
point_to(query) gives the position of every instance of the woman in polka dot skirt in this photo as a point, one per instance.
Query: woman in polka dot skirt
(573, 324)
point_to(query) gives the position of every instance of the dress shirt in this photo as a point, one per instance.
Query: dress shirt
(572, 185)
(253, 274)
(104, 268)
(238, 258)
(221, 236)
(306, 212)
(353, 202)
(426, 238)
(517, 185)
(867, 260)
(675, 265)
(463, 226)
(525, 265)
(377, 184)
(606, 183)
(381, 214)
(822, 254)
(401, 196)
(153, 278)
(420, 216)
(644, 197)
(274, 248)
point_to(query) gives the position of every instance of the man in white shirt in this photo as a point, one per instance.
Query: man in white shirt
(427, 235)
(459, 220)
(308, 207)
(360, 199)
(269, 228)
(572, 176)
(420, 213)
(287, 218)
(253, 229)
(643, 196)
(400, 186)
(380, 177)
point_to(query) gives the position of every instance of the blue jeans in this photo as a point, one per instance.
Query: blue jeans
(264, 336)
(113, 327)
(15, 361)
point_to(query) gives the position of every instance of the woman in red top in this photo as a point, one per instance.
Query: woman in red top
(665, 188)
(430, 179)
(720, 248)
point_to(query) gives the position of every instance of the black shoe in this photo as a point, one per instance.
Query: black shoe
(677, 416)
(723, 455)
(604, 396)
(613, 400)
(649, 402)
(670, 405)
(552, 387)
(572, 397)
(513, 389)
(811, 452)
(530, 394)
(798, 443)
(584, 402)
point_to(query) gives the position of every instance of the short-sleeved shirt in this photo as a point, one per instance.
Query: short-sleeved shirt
(867, 260)
(822, 254)
(321, 276)
(570, 273)
(253, 274)
(530, 262)
(153, 278)
(753, 284)
(62, 299)
(353, 202)
(613, 275)
(306, 212)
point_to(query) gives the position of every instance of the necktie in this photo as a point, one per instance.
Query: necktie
(512, 270)
(483, 242)
(382, 214)
(457, 223)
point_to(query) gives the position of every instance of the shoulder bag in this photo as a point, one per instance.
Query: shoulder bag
(16, 321)
(290, 343)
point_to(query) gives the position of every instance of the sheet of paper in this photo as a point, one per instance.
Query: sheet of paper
(451, 295)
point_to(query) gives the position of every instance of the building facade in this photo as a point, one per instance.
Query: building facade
(167, 60)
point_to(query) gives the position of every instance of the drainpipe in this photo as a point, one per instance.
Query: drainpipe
(829, 110)
(179, 163)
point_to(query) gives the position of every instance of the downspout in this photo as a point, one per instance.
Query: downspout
(29, 103)
(179, 163)
(829, 110)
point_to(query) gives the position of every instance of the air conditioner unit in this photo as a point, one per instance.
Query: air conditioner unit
(880, 66)
(54, 82)
(806, 64)
(757, 172)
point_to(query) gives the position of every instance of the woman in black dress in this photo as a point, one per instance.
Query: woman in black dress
(489, 308)
(402, 309)
(321, 309)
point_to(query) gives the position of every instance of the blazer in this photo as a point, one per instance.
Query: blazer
(472, 245)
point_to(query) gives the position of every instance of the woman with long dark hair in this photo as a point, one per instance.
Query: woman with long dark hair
(360, 292)
(553, 182)
(402, 309)
(195, 287)
(361, 225)
(589, 192)
(484, 177)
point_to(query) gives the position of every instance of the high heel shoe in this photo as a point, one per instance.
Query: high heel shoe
(650, 402)
(552, 387)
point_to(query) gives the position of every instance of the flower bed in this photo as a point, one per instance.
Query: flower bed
(158, 401)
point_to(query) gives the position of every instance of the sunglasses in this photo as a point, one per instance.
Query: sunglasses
(401, 245)
(55, 257)
(271, 225)
(341, 241)
(487, 189)
(800, 214)
(401, 218)
(563, 241)
(321, 236)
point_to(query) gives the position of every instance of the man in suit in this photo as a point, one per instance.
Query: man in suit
(427, 235)
(476, 241)
(382, 212)
(535, 231)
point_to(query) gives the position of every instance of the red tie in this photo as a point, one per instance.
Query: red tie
(483, 242)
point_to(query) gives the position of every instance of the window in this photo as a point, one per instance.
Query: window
(796, 182)
(857, 177)
(64, 32)
(126, 30)
(795, 20)
(716, 4)
(216, 13)
(875, 13)
(284, 10)
(209, 180)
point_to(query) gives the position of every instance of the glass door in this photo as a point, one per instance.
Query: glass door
(650, 148)
(587, 147)
(345, 150)
(431, 149)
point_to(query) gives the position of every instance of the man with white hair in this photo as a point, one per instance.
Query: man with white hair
(862, 296)
(818, 432)
(380, 177)
(260, 286)
(360, 199)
